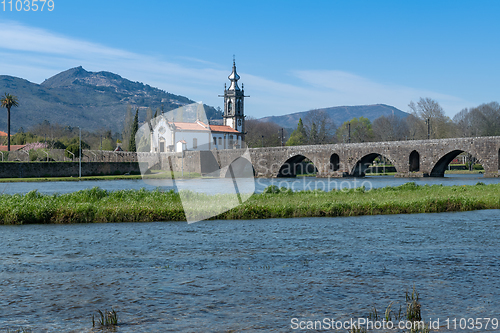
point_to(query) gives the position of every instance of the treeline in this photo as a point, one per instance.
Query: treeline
(426, 120)
(316, 128)
(57, 136)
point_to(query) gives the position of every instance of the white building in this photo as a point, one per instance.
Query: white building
(169, 136)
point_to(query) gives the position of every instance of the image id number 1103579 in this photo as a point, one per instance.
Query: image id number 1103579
(27, 5)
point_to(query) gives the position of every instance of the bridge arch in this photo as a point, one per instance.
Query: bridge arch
(414, 161)
(440, 166)
(297, 165)
(364, 162)
(335, 162)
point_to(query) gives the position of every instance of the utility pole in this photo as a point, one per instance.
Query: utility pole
(262, 141)
(282, 137)
(428, 122)
(349, 131)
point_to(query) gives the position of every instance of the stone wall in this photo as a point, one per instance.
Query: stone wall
(65, 169)
(59, 155)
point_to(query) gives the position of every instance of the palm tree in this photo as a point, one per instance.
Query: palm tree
(7, 102)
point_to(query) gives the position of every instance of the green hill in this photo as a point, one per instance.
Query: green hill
(91, 100)
(339, 114)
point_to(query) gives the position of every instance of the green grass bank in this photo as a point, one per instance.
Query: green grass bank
(97, 205)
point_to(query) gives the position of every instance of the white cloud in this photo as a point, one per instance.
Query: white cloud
(36, 54)
(23, 38)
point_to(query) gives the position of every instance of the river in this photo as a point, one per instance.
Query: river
(257, 275)
(208, 185)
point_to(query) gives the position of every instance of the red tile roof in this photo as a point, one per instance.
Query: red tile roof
(222, 128)
(2, 133)
(12, 147)
(199, 126)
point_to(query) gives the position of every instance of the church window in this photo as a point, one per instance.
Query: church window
(229, 107)
(215, 141)
(220, 141)
(195, 143)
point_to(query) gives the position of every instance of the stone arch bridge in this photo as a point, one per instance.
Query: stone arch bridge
(413, 158)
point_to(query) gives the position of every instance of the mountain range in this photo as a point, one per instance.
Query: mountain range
(339, 114)
(92, 100)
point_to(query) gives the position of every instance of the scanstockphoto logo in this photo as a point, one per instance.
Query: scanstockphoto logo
(181, 149)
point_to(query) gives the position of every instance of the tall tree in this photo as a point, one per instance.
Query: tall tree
(427, 109)
(260, 133)
(324, 131)
(483, 120)
(361, 130)
(8, 101)
(298, 136)
(127, 126)
(390, 128)
(313, 134)
(133, 131)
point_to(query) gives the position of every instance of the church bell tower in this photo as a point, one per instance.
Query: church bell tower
(234, 115)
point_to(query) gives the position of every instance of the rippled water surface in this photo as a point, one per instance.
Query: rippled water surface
(216, 276)
(207, 185)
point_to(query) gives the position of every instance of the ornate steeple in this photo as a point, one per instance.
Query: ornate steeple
(234, 77)
(234, 115)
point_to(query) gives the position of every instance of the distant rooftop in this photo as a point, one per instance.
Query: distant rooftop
(12, 147)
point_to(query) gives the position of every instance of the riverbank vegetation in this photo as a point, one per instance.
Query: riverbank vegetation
(97, 205)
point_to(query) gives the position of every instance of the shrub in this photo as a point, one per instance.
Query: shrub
(33, 155)
(477, 167)
(73, 148)
(58, 145)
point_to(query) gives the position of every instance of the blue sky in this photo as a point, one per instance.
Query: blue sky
(291, 55)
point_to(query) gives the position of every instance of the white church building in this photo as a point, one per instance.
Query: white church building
(170, 136)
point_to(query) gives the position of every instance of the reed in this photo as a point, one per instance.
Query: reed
(106, 318)
(413, 315)
(98, 205)
(413, 306)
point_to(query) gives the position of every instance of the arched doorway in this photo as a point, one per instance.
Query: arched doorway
(298, 165)
(414, 161)
(162, 145)
(334, 162)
